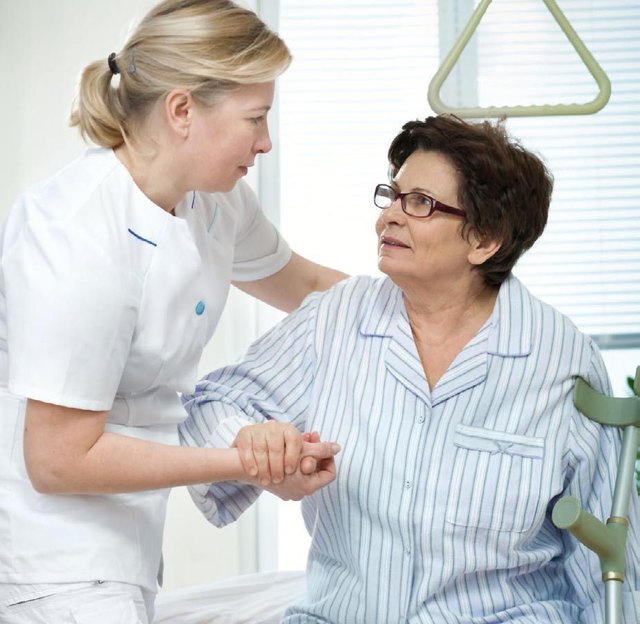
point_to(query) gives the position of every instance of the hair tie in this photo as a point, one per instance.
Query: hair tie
(132, 64)
(113, 66)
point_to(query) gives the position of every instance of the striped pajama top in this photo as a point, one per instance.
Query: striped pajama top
(440, 512)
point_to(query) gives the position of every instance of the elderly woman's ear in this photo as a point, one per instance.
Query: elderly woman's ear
(481, 250)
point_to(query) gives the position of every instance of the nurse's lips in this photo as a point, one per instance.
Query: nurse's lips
(392, 242)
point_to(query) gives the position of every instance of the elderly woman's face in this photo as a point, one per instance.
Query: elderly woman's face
(427, 250)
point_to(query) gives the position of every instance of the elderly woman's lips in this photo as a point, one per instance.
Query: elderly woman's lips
(393, 242)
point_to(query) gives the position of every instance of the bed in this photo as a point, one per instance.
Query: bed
(249, 599)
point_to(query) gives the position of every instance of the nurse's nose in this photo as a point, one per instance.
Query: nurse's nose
(263, 144)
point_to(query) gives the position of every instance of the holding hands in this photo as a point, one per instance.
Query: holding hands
(280, 459)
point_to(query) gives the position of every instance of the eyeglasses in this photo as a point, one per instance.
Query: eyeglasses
(414, 204)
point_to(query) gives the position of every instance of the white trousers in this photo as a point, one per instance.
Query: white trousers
(87, 603)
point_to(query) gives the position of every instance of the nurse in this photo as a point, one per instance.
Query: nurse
(114, 274)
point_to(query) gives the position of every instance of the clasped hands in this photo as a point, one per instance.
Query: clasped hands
(277, 457)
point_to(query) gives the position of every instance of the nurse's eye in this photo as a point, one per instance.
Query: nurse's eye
(257, 120)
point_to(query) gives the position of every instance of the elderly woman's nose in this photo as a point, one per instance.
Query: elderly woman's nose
(394, 213)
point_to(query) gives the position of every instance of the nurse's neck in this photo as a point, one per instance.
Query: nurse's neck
(154, 174)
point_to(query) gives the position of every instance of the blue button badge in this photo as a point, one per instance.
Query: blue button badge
(200, 308)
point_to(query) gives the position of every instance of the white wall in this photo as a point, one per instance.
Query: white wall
(44, 45)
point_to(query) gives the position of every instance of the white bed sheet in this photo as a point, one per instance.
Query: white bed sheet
(249, 599)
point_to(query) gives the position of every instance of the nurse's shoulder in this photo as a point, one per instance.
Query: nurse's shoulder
(92, 202)
(67, 191)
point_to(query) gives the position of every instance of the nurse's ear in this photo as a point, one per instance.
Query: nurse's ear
(178, 107)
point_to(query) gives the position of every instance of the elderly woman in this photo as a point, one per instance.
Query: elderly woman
(449, 387)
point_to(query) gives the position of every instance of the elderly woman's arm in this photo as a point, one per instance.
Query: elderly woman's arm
(272, 382)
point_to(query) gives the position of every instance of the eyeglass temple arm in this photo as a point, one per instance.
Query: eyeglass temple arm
(448, 209)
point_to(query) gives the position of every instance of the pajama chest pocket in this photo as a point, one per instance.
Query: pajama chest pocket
(496, 483)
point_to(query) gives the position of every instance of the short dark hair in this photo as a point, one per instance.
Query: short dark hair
(504, 189)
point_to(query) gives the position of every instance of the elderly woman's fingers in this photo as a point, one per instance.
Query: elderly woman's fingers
(314, 450)
(325, 474)
(299, 485)
(308, 465)
(320, 450)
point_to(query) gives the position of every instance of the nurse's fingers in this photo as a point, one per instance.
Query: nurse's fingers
(308, 465)
(256, 445)
(244, 444)
(272, 449)
(276, 448)
(285, 445)
(293, 448)
(261, 456)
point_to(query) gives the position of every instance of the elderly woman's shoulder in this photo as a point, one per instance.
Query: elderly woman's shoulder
(359, 295)
(357, 290)
(550, 323)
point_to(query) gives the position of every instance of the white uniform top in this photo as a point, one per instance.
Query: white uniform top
(107, 302)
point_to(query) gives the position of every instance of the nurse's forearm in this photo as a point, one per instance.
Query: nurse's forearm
(117, 463)
(287, 288)
(67, 451)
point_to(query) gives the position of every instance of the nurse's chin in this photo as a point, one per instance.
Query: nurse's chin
(221, 186)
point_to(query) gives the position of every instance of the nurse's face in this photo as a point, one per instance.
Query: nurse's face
(225, 139)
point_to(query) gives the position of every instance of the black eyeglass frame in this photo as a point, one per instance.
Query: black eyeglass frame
(435, 204)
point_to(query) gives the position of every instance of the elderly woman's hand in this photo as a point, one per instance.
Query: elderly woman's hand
(298, 485)
(269, 451)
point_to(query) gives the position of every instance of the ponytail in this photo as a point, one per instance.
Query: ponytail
(97, 111)
(209, 47)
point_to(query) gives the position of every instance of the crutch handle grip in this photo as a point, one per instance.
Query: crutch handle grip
(606, 540)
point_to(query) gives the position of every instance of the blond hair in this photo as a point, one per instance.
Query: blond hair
(209, 47)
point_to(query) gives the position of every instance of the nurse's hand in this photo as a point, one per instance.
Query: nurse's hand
(269, 451)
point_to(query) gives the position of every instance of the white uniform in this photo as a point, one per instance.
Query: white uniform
(107, 302)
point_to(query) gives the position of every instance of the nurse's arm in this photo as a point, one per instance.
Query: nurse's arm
(67, 451)
(287, 288)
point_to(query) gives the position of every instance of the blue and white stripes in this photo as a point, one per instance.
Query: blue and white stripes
(441, 509)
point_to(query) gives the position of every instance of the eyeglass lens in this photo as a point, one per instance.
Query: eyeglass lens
(415, 204)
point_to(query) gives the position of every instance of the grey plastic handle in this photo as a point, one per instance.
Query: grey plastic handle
(587, 108)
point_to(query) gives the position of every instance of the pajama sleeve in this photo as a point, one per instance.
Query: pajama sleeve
(274, 381)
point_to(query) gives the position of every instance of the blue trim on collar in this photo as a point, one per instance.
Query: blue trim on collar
(144, 240)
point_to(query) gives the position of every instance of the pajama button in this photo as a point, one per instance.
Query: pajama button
(199, 308)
